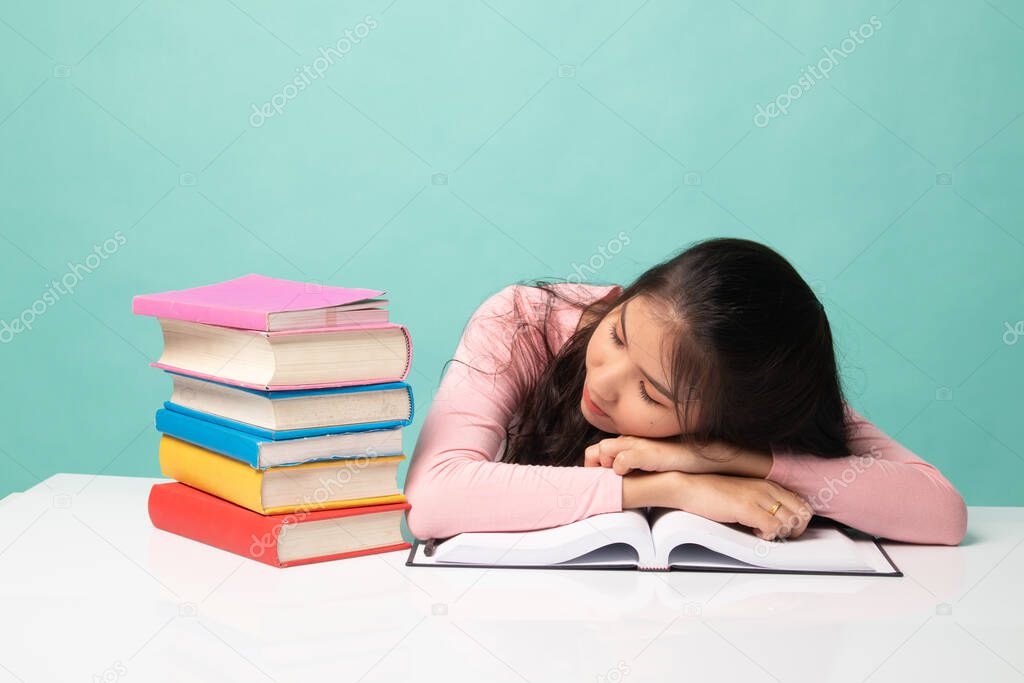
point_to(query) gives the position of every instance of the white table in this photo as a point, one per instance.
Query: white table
(91, 592)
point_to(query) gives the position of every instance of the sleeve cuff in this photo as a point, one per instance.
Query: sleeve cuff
(612, 484)
(780, 465)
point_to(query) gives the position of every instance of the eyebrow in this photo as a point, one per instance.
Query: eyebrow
(622, 323)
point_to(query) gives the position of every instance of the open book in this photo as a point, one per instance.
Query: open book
(662, 539)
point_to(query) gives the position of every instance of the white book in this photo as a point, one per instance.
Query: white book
(296, 410)
(662, 539)
(287, 359)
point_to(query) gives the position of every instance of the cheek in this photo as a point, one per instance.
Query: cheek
(660, 428)
(630, 416)
(643, 428)
(593, 354)
(639, 420)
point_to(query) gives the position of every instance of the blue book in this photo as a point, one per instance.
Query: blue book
(256, 448)
(295, 413)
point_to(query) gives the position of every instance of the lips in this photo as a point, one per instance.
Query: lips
(590, 404)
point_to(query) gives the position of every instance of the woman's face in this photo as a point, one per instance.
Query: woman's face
(626, 377)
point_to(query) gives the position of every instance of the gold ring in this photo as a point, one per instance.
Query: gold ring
(775, 508)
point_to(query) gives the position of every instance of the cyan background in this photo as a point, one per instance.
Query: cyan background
(461, 146)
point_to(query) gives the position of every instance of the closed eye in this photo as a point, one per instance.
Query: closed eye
(618, 342)
(615, 337)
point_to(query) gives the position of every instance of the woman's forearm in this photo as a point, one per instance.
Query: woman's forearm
(882, 488)
(653, 489)
(730, 459)
(670, 488)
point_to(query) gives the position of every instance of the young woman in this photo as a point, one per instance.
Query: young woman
(709, 385)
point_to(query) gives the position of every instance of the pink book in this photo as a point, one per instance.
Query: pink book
(257, 302)
(278, 335)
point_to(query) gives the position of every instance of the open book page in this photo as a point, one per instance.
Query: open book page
(619, 538)
(685, 539)
(659, 539)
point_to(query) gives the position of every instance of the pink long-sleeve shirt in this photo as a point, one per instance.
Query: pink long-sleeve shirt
(457, 483)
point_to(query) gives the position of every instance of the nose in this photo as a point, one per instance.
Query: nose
(597, 393)
(605, 379)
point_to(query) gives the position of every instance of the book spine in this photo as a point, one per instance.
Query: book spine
(207, 520)
(190, 513)
(242, 446)
(237, 317)
(212, 472)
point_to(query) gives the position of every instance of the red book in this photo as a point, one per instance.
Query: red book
(279, 540)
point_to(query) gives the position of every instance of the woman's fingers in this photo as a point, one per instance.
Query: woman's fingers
(602, 453)
(793, 513)
(646, 459)
(764, 523)
(790, 525)
(599, 454)
(798, 511)
(608, 457)
(626, 461)
(800, 519)
(784, 524)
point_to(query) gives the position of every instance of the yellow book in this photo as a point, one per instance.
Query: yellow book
(324, 485)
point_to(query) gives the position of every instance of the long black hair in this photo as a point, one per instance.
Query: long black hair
(753, 348)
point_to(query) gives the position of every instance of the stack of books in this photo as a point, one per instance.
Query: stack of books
(283, 432)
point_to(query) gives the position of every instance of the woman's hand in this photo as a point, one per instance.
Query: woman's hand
(722, 498)
(626, 453)
(747, 501)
